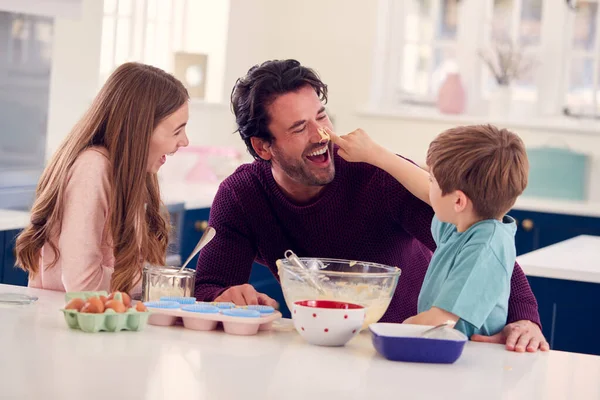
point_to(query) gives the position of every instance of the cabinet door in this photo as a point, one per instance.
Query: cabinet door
(536, 230)
(194, 224)
(524, 238)
(12, 274)
(556, 228)
(543, 290)
(569, 310)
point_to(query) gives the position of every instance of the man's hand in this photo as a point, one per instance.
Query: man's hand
(246, 295)
(519, 336)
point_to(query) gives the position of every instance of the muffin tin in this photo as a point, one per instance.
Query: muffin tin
(244, 320)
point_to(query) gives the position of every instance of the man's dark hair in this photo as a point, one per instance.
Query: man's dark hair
(253, 93)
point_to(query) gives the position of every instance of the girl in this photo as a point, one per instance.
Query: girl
(97, 216)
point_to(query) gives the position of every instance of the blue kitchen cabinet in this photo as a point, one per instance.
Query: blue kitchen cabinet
(264, 281)
(11, 275)
(537, 229)
(568, 312)
(195, 222)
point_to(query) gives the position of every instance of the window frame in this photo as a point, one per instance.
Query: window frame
(139, 21)
(473, 34)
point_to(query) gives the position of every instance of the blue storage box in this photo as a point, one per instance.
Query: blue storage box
(557, 173)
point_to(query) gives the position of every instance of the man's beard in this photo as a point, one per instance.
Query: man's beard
(299, 171)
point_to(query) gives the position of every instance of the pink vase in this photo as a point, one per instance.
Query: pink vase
(451, 96)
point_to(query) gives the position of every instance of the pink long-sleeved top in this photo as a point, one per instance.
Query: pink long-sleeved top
(86, 260)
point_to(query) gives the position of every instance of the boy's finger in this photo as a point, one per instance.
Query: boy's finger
(343, 154)
(329, 132)
(334, 138)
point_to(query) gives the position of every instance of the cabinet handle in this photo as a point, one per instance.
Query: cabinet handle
(527, 225)
(200, 226)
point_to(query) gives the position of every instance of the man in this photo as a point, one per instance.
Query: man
(299, 194)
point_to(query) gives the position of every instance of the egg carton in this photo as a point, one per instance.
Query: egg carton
(244, 320)
(107, 321)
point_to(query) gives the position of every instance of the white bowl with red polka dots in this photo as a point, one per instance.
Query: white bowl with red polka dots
(327, 322)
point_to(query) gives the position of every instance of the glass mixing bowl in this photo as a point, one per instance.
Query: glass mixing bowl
(369, 284)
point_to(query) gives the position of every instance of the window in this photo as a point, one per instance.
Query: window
(148, 31)
(429, 48)
(582, 97)
(517, 22)
(421, 41)
(159, 32)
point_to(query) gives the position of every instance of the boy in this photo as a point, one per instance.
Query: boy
(476, 174)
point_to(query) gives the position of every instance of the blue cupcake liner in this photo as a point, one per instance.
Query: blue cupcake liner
(180, 300)
(170, 305)
(223, 305)
(261, 309)
(201, 308)
(241, 312)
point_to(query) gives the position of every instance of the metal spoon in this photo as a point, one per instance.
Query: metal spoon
(449, 323)
(207, 236)
(293, 258)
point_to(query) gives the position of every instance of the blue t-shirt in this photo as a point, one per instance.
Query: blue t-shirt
(469, 274)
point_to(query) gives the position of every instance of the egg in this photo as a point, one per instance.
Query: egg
(116, 305)
(126, 299)
(75, 304)
(103, 299)
(93, 306)
(140, 307)
(124, 296)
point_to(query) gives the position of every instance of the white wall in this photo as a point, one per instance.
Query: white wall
(206, 28)
(74, 73)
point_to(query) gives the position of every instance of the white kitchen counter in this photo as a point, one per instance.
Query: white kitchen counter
(42, 358)
(576, 259)
(569, 207)
(10, 219)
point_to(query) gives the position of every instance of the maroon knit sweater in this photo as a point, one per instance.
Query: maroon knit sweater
(363, 214)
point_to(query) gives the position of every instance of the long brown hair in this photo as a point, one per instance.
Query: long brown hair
(122, 118)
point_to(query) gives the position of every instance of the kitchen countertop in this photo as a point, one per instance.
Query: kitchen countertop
(42, 358)
(569, 207)
(10, 219)
(576, 259)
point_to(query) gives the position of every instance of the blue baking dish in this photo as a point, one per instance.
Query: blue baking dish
(401, 342)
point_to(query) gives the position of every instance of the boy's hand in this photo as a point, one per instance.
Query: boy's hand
(356, 146)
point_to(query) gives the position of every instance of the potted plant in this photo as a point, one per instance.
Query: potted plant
(507, 63)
